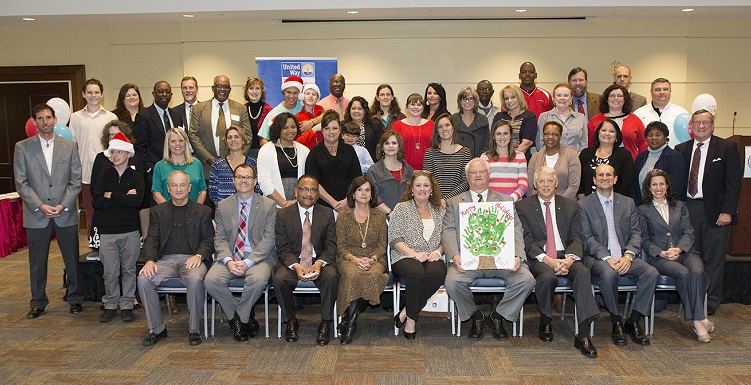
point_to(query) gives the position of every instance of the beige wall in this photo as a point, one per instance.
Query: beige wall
(697, 55)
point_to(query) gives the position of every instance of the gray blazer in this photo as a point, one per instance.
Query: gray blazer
(450, 237)
(595, 227)
(658, 235)
(37, 186)
(406, 226)
(261, 222)
(567, 169)
(202, 136)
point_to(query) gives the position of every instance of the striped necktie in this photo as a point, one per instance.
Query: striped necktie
(242, 235)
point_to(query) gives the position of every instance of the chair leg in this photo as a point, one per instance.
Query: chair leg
(266, 310)
(205, 316)
(169, 307)
(336, 332)
(521, 321)
(278, 321)
(213, 316)
(563, 306)
(576, 318)
(452, 306)
(395, 297)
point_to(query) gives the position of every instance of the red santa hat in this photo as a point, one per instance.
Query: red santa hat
(292, 81)
(120, 142)
(309, 86)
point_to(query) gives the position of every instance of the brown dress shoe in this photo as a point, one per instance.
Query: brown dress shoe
(290, 335)
(324, 334)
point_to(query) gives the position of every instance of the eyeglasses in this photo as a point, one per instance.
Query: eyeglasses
(244, 178)
(477, 172)
(306, 190)
(699, 123)
(468, 99)
(222, 86)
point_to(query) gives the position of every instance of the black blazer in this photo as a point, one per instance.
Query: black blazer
(722, 177)
(149, 130)
(200, 231)
(532, 216)
(669, 161)
(289, 234)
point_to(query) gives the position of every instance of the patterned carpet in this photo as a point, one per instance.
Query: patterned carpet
(61, 348)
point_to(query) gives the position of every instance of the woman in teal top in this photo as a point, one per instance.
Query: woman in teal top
(177, 157)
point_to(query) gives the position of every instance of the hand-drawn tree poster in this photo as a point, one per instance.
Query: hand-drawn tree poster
(487, 235)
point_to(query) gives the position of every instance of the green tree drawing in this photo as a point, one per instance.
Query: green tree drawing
(484, 232)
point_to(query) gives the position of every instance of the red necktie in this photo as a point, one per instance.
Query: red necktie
(693, 178)
(239, 253)
(550, 249)
(580, 107)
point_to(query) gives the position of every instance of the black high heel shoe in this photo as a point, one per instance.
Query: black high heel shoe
(410, 336)
(398, 323)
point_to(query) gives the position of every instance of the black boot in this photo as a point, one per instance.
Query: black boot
(350, 321)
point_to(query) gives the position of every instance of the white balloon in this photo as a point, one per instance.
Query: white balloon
(62, 110)
(704, 102)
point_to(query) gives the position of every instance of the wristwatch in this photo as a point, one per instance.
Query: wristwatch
(629, 256)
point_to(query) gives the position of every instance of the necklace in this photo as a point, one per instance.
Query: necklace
(332, 149)
(414, 137)
(359, 229)
(257, 115)
(279, 143)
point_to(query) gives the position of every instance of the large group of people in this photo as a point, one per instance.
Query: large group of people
(322, 189)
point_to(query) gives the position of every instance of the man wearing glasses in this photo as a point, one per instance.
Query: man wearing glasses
(306, 247)
(245, 247)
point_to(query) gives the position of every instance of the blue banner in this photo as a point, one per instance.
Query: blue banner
(273, 71)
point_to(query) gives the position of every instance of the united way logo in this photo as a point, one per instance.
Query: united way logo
(308, 70)
(301, 69)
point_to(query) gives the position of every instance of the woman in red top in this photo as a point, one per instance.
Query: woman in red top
(616, 104)
(310, 95)
(416, 131)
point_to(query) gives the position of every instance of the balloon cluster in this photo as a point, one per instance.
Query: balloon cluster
(702, 102)
(62, 112)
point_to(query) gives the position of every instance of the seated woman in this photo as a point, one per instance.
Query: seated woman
(390, 173)
(607, 150)
(415, 241)
(668, 242)
(658, 155)
(220, 176)
(385, 110)
(281, 161)
(615, 104)
(508, 167)
(416, 132)
(361, 254)
(471, 128)
(564, 160)
(574, 124)
(434, 101)
(523, 121)
(446, 159)
(310, 96)
(334, 163)
(370, 132)
(177, 157)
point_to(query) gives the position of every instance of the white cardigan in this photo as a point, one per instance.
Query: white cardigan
(269, 177)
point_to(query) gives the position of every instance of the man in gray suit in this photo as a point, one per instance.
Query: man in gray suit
(612, 240)
(245, 245)
(209, 121)
(519, 281)
(48, 179)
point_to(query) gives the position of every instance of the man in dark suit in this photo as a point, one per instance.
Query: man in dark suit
(713, 171)
(553, 242)
(306, 248)
(210, 120)
(612, 238)
(179, 244)
(245, 247)
(48, 179)
(585, 102)
(189, 89)
(150, 127)
(519, 281)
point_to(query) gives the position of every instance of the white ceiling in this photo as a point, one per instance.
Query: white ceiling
(77, 12)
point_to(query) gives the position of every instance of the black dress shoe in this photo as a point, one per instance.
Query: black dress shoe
(324, 334)
(636, 333)
(546, 332)
(238, 330)
(194, 339)
(397, 322)
(585, 346)
(410, 335)
(76, 308)
(496, 325)
(711, 310)
(35, 312)
(153, 338)
(251, 328)
(127, 315)
(475, 333)
(108, 315)
(290, 335)
(618, 337)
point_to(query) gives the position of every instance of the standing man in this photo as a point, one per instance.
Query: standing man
(209, 122)
(189, 89)
(486, 107)
(336, 100)
(47, 169)
(612, 242)
(179, 245)
(86, 126)
(245, 247)
(519, 281)
(622, 77)
(713, 171)
(585, 102)
(661, 110)
(306, 247)
(291, 89)
(538, 100)
(552, 239)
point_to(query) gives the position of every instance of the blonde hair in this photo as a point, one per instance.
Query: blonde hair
(167, 154)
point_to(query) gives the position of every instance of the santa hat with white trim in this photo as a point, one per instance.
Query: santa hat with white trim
(309, 86)
(292, 81)
(120, 142)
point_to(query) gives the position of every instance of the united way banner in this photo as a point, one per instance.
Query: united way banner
(273, 71)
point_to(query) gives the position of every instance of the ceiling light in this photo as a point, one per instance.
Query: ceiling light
(353, 12)
(189, 15)
(520, 10)
(687, 10)
(28, 19)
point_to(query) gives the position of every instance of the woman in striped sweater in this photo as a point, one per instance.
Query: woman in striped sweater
(508, 168)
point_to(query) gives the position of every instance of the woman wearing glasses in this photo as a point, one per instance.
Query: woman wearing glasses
(615, 104)
(472, 129)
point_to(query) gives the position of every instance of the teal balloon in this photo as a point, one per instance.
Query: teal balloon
(64, 131)
(680, 127)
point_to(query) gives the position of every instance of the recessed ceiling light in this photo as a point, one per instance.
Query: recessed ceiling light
(189, 15)
(687, 10)
(520, 10)
(28, 19)
(353, 12)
